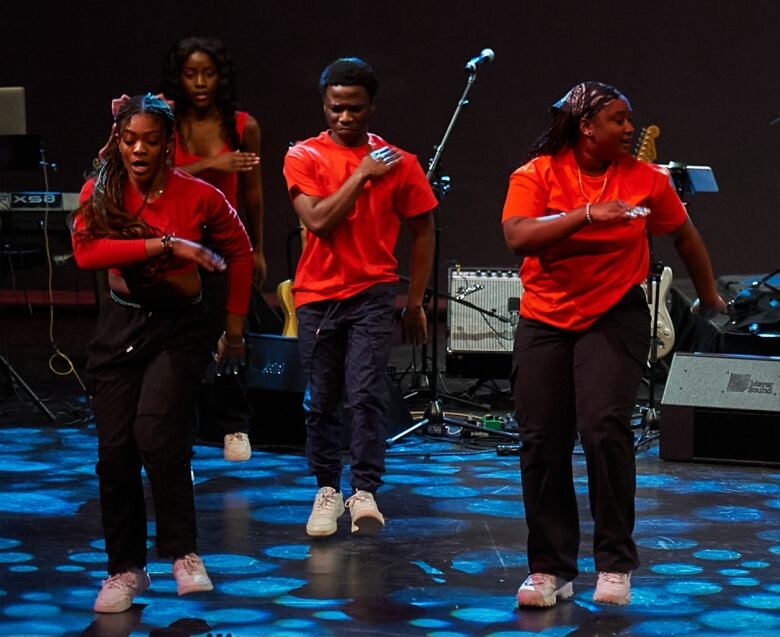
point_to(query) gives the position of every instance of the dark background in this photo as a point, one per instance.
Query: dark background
(704, 71)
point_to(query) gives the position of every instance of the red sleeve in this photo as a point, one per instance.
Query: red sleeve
(103, 253)
(528, 193)
(241, 118)
(415, 195)
(667, 211)
(301, 173)
(232, 242)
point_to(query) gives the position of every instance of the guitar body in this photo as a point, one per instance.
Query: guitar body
(665, 335)
(287, 305)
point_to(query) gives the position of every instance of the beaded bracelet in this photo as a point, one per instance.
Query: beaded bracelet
(588, 218)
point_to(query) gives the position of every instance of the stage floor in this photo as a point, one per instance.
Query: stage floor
(447, 564)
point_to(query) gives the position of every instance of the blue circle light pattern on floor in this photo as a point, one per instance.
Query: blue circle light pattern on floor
(262, 587)
(237, 564)
(730, 513)
(693, 587)
(664, 628)
(676, 568)
(665, 543)
(716, 555)
(36, 504)
(288, 551)
(482, 615)
(738, 620)
(763, 601)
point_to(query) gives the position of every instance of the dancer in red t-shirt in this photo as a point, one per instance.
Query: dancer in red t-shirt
(352, 191)
(578, 213)
(144, 222)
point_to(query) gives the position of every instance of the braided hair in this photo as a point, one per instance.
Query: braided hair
(585, 100)
(225, 99)
(103, 214)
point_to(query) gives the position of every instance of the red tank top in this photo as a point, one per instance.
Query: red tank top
(227, 182)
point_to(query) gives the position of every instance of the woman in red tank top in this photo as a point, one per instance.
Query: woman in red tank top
(217, 143)
(214, 142)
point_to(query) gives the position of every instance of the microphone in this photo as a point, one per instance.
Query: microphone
(486, 55)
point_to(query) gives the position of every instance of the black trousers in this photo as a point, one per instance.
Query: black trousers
(344, 348)
(567, 382)
(145, 366)
(222, 400)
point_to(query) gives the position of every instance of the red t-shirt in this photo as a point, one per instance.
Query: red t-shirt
(186, 208)
(227, 182)
(573, 283)
(359, 252)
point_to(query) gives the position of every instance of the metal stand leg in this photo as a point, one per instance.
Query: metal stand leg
(35, 398)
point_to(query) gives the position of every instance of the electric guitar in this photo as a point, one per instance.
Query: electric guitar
(645, 151)
(287, 305)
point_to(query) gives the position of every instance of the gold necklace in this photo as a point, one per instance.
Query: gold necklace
(582, 191)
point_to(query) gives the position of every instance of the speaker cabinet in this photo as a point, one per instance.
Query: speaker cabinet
(722, 408)
(482, 312)
(275, 385)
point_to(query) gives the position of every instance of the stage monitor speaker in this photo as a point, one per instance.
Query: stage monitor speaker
(721, 408)
(275, 387)
(482, 312)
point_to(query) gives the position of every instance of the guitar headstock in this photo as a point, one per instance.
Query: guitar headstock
(645, 148)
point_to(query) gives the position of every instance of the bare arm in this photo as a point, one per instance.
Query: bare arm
(321, 215)
(693, 253)
(532, 235)
(415, 329)
(251, 193)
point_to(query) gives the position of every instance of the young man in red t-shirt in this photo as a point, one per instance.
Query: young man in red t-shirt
(351, 191)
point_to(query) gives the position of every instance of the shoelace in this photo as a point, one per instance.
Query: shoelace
(535, 579)
(613, 578)
(326, 500)
(191, 563)
(119, 580)
(361, 497)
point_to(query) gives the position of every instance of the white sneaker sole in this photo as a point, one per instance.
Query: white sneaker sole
(536, 600)
(367, 525)
(325, 530)
(194, 588)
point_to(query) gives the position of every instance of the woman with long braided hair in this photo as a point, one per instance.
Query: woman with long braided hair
(578, 212)
(221, 145)
(143, 221)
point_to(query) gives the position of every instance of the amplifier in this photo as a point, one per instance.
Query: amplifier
(482, 311)
(722, 408)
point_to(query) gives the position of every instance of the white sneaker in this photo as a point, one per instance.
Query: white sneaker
(543, 590)
(328, 507)
(366, 518)
(237, 447)
(613, 588)
(191, 576)
(118, 591)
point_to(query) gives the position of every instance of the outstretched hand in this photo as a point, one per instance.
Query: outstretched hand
(709, 310)
(238, 161)
(200, 254)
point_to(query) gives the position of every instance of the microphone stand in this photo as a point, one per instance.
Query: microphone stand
(434, 419)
